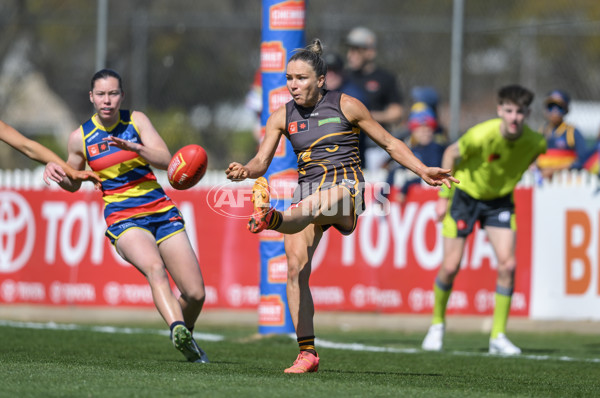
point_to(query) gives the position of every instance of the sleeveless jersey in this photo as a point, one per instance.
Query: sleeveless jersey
(129, 187)
(325, 144)
(491, 166)
(562, 146)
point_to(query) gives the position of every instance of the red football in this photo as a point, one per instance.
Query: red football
(187, 167)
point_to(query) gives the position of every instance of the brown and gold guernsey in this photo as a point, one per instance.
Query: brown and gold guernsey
(326, 147)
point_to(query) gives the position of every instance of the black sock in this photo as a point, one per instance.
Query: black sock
(276, 220)
(172, 326)
(307, 344)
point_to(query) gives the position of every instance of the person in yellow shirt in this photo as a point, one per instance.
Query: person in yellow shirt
(489, 160)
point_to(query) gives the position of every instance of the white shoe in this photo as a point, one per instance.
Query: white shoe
(434, 339)
(501, 345)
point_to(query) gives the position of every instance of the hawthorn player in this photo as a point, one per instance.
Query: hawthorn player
(144, 225)
(323, 127)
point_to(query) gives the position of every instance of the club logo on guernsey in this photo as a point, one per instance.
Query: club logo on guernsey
(296, 127)
(97, 149)
(493, 156)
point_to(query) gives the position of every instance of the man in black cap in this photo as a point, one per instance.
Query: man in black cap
(337, 80)
(384, 98)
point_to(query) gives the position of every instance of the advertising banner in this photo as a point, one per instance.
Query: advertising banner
(390, 262)
(283, 25)
(53, 252)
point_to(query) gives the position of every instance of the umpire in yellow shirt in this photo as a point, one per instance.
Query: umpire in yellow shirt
(489, 160)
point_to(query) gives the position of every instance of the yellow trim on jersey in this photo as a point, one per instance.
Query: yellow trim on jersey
(122, 168)
(324, 176)
(171, 234)
(136, 191)
(83, 148)
(330, 135)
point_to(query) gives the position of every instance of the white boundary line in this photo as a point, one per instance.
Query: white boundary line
(102, 329)
(319, 342)
(363, 347)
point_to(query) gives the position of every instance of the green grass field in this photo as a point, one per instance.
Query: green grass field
(41, 360)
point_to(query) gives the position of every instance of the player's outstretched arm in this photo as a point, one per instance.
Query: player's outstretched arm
(358, 114)
(259, 164)
(56, 168)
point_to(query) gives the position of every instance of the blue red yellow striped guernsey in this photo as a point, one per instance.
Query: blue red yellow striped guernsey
(129, 187)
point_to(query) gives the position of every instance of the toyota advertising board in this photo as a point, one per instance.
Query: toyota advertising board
(53, 252)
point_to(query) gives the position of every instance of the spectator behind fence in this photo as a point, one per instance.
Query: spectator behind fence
(490, 158)
(253, 102)
(422, 125)
(566, 146)
(430, 97)
(384, 98)
(337, 80)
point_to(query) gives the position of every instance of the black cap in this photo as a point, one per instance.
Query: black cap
(334, 62)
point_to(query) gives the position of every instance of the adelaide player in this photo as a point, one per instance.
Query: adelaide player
(323, 127)
(143, 223)
(56, 168)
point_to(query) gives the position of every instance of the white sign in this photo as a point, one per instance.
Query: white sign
(566, 259)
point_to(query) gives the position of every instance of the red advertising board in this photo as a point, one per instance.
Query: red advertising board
(390, 262)
(53, 252)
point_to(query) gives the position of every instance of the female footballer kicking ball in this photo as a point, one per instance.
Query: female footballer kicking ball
(143, 223)
(323, 127)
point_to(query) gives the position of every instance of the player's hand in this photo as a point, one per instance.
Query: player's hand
(236, 172)
(53, 172)
(436, 177)
(123, 144)
(87, 175)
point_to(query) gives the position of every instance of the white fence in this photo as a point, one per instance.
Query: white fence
(33, 179)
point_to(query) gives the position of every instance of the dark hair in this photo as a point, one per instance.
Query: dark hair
(515, 94)
(311, 54)
(106, 73)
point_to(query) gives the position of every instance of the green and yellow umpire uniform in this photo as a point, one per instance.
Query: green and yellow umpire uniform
(489, 168)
